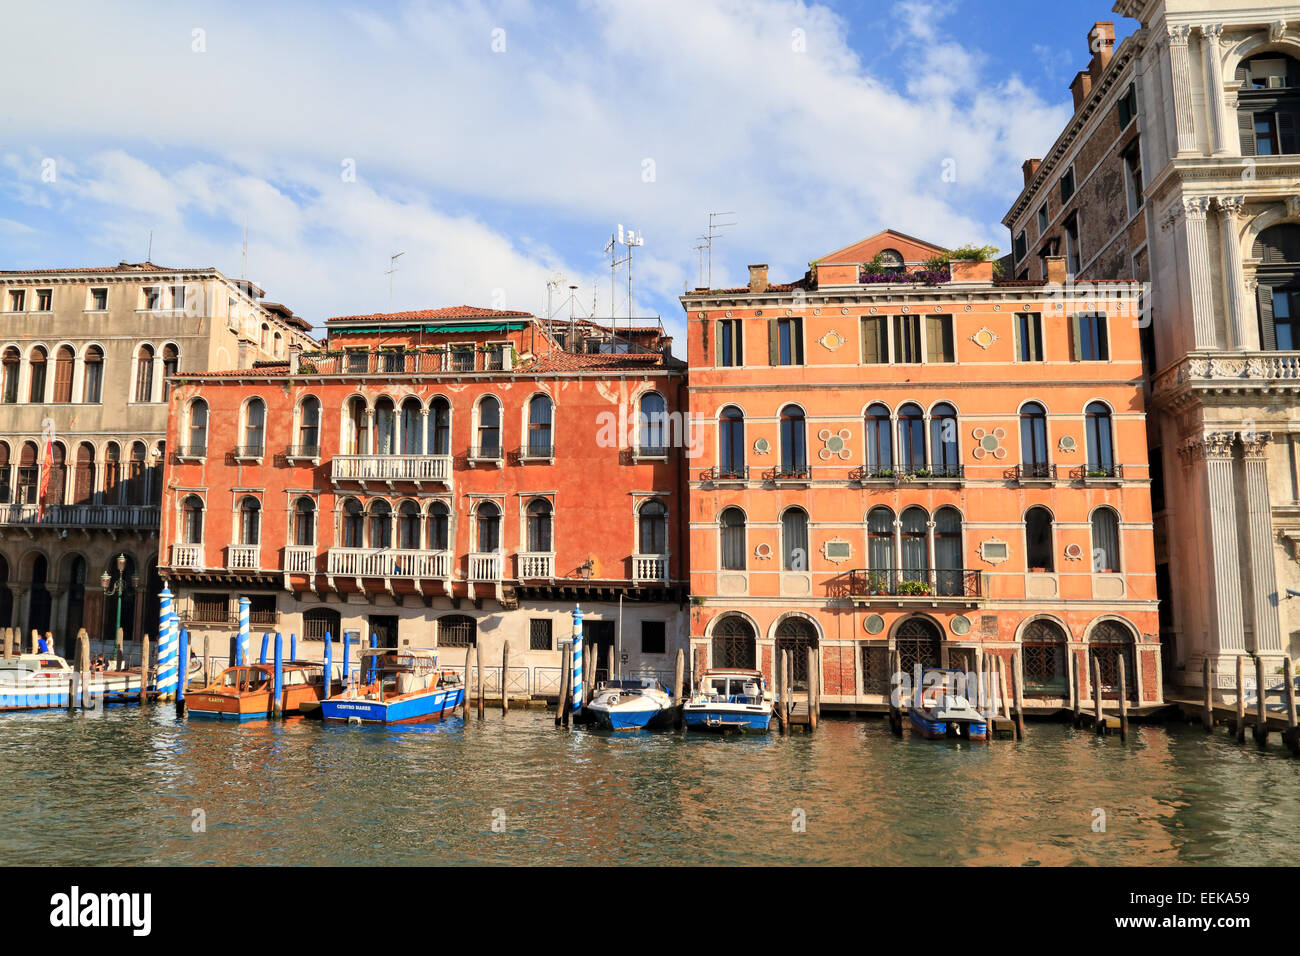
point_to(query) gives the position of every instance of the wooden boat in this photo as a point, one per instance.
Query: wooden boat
(631, 703)
(244, 692)
(40, 681)
(729, 698)
(396, 687)
(942, 712)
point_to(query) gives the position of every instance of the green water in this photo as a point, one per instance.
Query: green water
(124, 788)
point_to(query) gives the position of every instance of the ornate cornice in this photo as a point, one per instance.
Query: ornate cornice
(1198, 376)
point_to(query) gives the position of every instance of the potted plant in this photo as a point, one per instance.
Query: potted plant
(913, 588)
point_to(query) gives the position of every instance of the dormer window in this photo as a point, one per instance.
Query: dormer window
(891, 259)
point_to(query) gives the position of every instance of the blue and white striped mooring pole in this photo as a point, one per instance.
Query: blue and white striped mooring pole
(577, 659)
(277, 689)
(165, 683)
(241, 648)
(374, 643)
(329, 664)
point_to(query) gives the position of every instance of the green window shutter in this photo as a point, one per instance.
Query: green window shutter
(870, 340)
(773, 350)
(1267, 331)
(1076, 346)
(738, 342)
(938, 338)
(1246, 131)
(719, 358)
(1286, 132)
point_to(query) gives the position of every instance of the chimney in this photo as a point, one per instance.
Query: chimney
(1101, 41)
(1029, 167)
(295, 355)
(1055, 269)
(1080, 88)
(666, 346)
(758, 278)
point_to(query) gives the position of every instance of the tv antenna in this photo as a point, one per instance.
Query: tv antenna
(392, 268)
(631, 239)
(713, 233)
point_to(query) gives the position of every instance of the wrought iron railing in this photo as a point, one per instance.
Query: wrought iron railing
(1035, 471)
(536, 449)
(718, 473)
(250, 451)
(645, 450)
(404, 361)
(1096, 471)
(781, 473)
(913, 582)
(192, 451)
(302, 451)
(484, 452)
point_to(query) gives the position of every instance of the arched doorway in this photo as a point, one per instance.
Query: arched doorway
(74, 575)
(38, 617)
(918, 641)
(734, 643)
(796, 635)
(1108, 642)
(6, 596)
(1047, 672)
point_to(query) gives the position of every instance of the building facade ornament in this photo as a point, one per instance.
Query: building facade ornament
(1255, 444)
(1195, 208)
(1276, 30)
(1230, 207)
(1177, 33)
(1293, 207)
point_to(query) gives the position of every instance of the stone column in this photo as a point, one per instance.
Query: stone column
(1198, 256)
(1212, 453)
(1214, 110)
(1259, 520)
(1180, 77)
(1243, 332)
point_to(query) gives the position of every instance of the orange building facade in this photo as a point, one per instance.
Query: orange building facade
(448, 478)
(952, 470)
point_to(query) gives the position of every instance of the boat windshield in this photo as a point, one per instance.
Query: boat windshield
(244, 678)
(631, 683)
(736, 690)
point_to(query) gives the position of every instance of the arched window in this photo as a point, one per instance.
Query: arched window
(915, 545)
(880, 540)
(266, 337)
(1038, 540)
(943, 441)
(412, 427)
(319, 621)
(457, 630)
(794, 539)
(92, 376)
(28, 474)
(439, 427)
(380, 524)
(353, 523)
(438, 526)
(65, 361)
(1043, 649)
(356, 439)
(731, 443)
(136, 481)
(192, 519)
(12, 369)
(250, 521)
(797, 636)
(197, 436)
(733, 539)
(254, 428)
(36, 373)
(794, 442)
(539, 526)
(408, 526)
(144, 373)
(1108, 642)
(540, 411)
(489, 428)
(880, 453)
(734, 642)
(1278, 293)
(84, 478)
(652, 528)
(171, 359)
(6, 478)
(1105, 541)
(279, 344)
(1033, 440)
(309, 427)
(890, 259)
(919, 642)
(385, 427)
(488, 519)
(304, 522)
(58, 473)
(1268, 105)
(154, 476)
(653, 425)
(911, 438)
(1101, 454)
(949, 580)
(112, 474)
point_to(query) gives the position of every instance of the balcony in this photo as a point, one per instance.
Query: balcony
(303, 453)
(244, 557)
(536, 451)
(1098, 474)
(912, 585)
(908, 475)
(650, 569)
(484, 455)
(300, 559)
(485, 567)
(1034, 473)
(192, 453)
(725, 476)
(82, 516)
(390, 469)
(799, 475)
(531, 565)
(432, 360)
(187, 557)
(253, 453)
(389, 563)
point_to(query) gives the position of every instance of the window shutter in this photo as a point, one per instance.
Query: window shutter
(1267, 331)
(738, 343)
(796, 340)
(63, 380)
(938, 338)
(719, 356)
(1102, 344)
(1246, 131)
(1286, 132)
(1076, 347)
(870, 341)
(773, 350)
(1035, 338)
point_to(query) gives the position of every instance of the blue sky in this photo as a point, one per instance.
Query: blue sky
(497, 144)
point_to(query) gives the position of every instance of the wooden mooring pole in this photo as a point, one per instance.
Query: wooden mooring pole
(1123, 701)
(144, 667)
(464, 697)
(1240, 728)
(782, 693)
(1261, 710)
(478, 661)
(505, 670)
(893, 690)
(679, 675)
(1017, 696)
(1207, 707)
(1291, 738)
(1076, 684)
(1099, 713)
(814, 689)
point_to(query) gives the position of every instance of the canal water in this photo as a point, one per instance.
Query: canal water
(132, 787)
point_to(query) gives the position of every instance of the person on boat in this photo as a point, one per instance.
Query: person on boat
(99, 664)
(43, 646)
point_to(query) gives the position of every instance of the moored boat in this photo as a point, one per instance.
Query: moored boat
(942, 712)
(397, 687)
(245, 692)
(41, 681)
(631, 703)
(729, 698)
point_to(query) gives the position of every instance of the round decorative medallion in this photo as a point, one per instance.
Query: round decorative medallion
(960, 624)
(968, 307)
(874, 624)
(831, 340)
(938, 307)
(1067, 443)
(762, 446)
(989, 443)
(758, 312)
(844, 311)
(789, 311)
(728, 314)
(873, 310)
(984, 337)
(997, 308)
(701, 315)
(817, 311)
(1073, 552)
(836, 444)
(907, 308)
(763, 551)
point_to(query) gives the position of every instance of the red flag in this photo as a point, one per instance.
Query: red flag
(47, 465)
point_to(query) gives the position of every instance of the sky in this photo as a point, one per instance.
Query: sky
(497, 145)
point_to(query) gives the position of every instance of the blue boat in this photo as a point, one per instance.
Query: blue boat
(729, 699)
(631, 703)
(939, 710)
(396, 687)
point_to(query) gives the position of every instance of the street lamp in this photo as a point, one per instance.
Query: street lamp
(119, 588)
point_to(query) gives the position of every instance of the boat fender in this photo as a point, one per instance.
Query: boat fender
(354, 719)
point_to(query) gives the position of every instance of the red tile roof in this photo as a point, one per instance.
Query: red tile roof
(451, 312)
(744, 290)
(583, 362)
(120, 267)
(259, 369)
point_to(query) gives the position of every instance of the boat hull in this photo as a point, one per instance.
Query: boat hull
(50, 693)
(720, 721)
(934, 729)
(250, 705)
(408, 709)
(623, 719)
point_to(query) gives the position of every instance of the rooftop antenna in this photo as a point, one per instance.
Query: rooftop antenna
(243, 260)
(699, 251)
(573, 301)
(631, 239)
(714, 234)
(148, 256)
(392, 267)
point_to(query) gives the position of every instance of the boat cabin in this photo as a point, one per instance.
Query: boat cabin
(732, 686)
(34, 664)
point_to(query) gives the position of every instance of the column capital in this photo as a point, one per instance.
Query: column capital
(1196, 207)
(1177, 34)
(1254, 445)
(1230, 207)
(1293, 207)
(1212, 446)
(1212, 32)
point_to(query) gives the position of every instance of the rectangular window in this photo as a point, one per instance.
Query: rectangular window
(653, 637)
(213, 608)
(1283, 317)
(494, 357)
(1073, 257)
(1127, 106)
(539, 634)
(785, 341)
(462, 358)
(358, 361)
(731, 343)
(1133, 178)
(152, 297)
(99, 299)
(178, 297)
(44, 300)
(938, 339)
(1021, 245)
(1042, 219)
(1088, 334)
(261, 609)
(17, 300)
(875, 340)
(1029, 337)
(1067, 185)
(907, 338)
